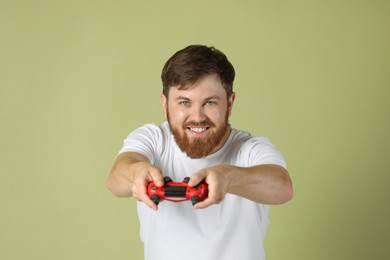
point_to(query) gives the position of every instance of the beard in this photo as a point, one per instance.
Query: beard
(199, 147)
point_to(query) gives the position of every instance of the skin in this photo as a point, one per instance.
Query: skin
(267, 184)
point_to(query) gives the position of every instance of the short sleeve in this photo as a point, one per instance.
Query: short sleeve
(259, 150)
(146, 140)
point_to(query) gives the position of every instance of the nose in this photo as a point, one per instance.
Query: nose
(198, 113)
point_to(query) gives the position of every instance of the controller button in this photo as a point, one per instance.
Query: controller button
(155, 198)
(194, 200)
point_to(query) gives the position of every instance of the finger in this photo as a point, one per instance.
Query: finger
(197, 178)
(140, 194)
(203, 204)
(150, 203)
(215, 196)
(157, 177)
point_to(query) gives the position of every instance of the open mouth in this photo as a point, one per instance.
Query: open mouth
(198, 130)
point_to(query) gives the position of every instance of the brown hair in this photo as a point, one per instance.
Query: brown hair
(194, 62)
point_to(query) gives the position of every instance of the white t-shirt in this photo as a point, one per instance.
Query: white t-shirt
(231, 230)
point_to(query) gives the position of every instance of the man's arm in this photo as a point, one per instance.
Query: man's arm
(129, 176)
(267, 184)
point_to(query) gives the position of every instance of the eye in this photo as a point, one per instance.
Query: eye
(185, 103)
(210, 102)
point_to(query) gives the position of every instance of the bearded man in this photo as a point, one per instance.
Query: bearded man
(245, 174)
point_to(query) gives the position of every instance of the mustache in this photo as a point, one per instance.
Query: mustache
(206, 122)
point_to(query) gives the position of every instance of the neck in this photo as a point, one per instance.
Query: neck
(223, 141)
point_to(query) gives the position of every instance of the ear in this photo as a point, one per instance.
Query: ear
(164, 105)
(230, 102)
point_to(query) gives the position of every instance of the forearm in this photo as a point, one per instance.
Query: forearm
(267, 184)
(121, 178)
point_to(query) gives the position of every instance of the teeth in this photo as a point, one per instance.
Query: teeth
(198, 130)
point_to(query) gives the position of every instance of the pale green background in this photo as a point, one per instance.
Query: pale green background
(78, 76)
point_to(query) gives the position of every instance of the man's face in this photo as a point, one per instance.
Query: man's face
(198, 116)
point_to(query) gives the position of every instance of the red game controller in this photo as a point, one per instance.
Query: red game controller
(177, 191)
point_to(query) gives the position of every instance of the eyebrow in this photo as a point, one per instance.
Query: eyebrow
(187, 99)
(182, 98)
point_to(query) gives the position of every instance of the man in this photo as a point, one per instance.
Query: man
(244, 173)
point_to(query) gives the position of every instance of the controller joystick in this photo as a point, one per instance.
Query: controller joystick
(177, 191)
(155, 198)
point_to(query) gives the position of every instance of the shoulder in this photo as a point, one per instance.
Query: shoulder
(150, 130)
(148, 140)
(248, 140)
(256, 149)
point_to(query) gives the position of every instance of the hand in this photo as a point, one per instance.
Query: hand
(266, 184)
(218, 180)
(144, 174)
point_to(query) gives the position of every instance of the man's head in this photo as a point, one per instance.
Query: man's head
(197, 99)
(194, 62)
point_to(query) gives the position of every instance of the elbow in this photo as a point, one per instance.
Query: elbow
(284, 188)
(282, 197)
(283, 192)
(287, 192)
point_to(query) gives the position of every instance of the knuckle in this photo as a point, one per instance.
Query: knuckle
(219, 198)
